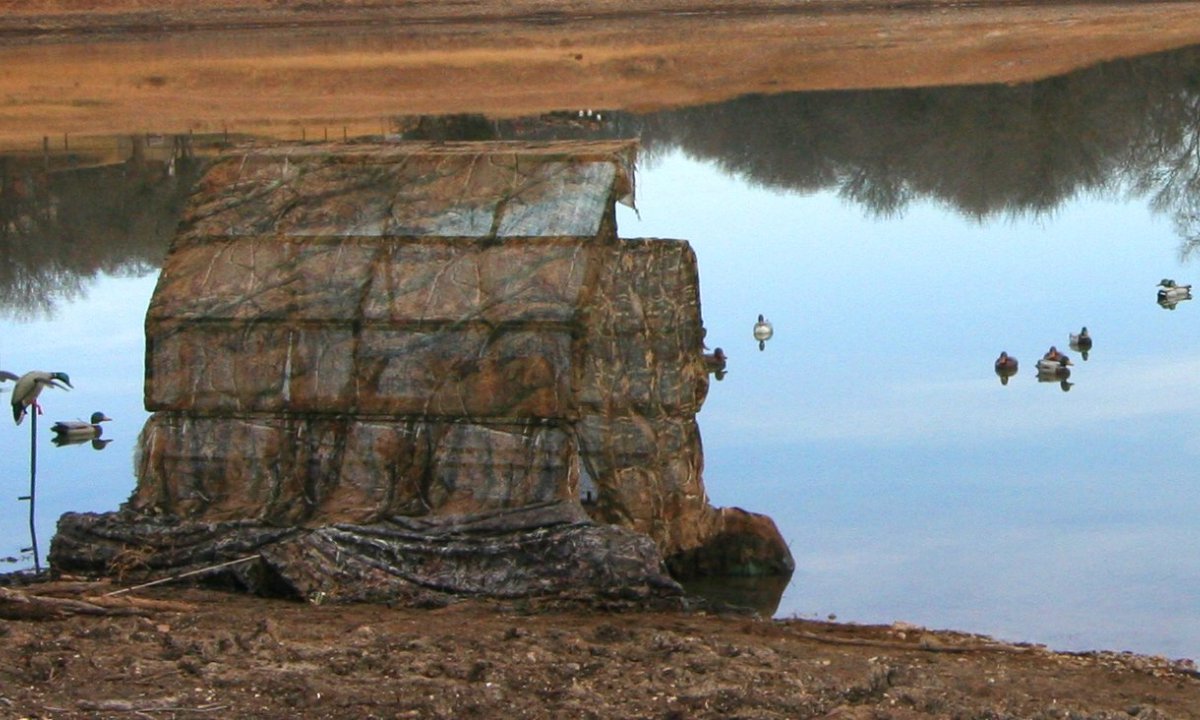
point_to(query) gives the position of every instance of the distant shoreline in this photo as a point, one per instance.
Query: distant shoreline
(82, 20)
(279, 70)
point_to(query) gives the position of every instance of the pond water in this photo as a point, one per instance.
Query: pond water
(898, 241)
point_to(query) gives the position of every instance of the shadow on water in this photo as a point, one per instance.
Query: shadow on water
(761, 594)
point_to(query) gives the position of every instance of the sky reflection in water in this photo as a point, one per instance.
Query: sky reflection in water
(910, 484)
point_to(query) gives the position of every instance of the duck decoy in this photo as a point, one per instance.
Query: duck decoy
(1171, 293)
(79, 428)
(1055, 371)
(763, 330)
(1081, 342)
(30, 385)
(714, 362)
(1006, 367)
(1059, 364)
(1055, 355)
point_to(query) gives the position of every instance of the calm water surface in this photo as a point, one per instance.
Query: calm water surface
(898, 241)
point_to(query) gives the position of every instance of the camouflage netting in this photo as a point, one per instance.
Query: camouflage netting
(352, 335)
(547, 549)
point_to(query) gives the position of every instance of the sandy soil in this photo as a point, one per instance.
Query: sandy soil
(287, 68)
(89, 67)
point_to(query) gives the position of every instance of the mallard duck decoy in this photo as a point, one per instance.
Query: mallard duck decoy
(1054, 365)
(1055, 371)
(1048, 364)
(1081, 342)
(1006, 367)
(79, 428)
(30, 385)
(715, 360)
(1171, 293)
(1055, 355)
(763, 330)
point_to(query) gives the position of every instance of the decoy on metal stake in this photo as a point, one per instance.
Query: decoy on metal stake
(30, 385)
(24, 396)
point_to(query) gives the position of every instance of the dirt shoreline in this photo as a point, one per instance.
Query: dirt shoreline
(187, 653)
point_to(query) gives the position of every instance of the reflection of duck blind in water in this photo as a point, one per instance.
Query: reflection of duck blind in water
(369, 332)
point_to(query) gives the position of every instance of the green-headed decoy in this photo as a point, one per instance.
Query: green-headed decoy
(80, 428)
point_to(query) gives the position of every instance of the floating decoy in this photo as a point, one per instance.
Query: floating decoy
(1081, 342)
(763, 330)
(1054, 355)
(1006, 367)
(714, 362)
(1055, 371)
(30, 385)
(79, 428)
(1171, 293)
(1059, 364)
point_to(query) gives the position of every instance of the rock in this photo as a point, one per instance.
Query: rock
(744, 544)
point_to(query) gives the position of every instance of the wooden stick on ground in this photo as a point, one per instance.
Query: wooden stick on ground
(180, 576)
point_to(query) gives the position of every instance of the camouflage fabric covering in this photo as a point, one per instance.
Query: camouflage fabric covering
(358, 333)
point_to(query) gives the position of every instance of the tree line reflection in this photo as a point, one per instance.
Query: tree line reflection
(1124, 128)
(67, 216)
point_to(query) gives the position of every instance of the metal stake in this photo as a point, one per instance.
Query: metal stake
(37, 562)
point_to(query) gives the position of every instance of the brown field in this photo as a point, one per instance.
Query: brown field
(126, 66)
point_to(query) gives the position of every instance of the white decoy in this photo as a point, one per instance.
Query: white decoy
(30, 385)
(763, 330)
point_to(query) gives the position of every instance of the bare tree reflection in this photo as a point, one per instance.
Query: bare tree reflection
(1129, 126)
(66, 220)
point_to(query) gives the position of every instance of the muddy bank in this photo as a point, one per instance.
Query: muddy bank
(191, 653)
